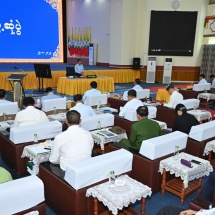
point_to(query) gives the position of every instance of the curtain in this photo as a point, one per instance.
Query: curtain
(208, 61)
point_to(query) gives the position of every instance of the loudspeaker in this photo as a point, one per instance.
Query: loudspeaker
(136, 63)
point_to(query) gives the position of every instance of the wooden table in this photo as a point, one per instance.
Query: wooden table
(183, 184)
(117, 198)
(72, 86)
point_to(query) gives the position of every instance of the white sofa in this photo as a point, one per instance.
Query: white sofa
(190, 103)
(50, 104)
(163, 145)
(201, 87)
(43, 130)
(87, 172)
(93, 100)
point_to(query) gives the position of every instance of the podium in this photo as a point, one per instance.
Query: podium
(17, 87)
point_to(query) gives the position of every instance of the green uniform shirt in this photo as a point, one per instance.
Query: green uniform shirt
(5, 176)
(142, 130)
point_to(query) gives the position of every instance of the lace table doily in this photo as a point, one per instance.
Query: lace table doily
(32, 153)
(210, 146)
(200, 115)
(102, 140)
(185, 173)
(116, 198)
(59, 117)
(207, 96)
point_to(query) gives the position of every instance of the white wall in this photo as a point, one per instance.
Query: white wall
(94, 14)
(121, 27)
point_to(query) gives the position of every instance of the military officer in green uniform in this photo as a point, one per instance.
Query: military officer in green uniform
(142, 130)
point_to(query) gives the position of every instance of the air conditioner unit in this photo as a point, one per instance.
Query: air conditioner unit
(167, 71)
(151, 68)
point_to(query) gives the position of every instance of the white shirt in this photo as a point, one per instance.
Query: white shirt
(30, 116)
(79, 68)
(84, 110)
(91, 92)
(130, 106)
(4, 101)
(206, 212)
(73, 145)
(213, 84)
(203, 81)
(175, 99)
(137, 87)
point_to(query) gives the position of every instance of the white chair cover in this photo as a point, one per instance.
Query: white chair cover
(91, 122)
(163, 145)
(26, 133)
(93, 170)
(140, 94)
(201, 87)
(93, 100)
(49, 104)
(21, 194)
(203, 131)
(190, 103)
(132, 115)
(162, 125)
(9, 108)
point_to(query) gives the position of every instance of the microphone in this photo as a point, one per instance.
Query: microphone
(19, 69)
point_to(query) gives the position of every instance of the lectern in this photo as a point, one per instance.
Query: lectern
(16, 84)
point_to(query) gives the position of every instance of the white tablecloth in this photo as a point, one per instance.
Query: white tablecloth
(185, 173)
(102, 140)
(116, 198)
(210, 146)
(37, 154)
(200, 114)
(32, 213)
(207, 96)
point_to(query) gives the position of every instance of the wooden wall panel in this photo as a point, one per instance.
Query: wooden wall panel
(178, 74)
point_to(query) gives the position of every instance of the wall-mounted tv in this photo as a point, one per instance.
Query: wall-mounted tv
(172, 33)
(32, 31)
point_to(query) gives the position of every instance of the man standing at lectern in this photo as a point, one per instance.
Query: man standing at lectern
(79, 68)
(3, 96)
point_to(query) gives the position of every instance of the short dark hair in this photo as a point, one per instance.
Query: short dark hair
(77, 97)
(73, 117)
(180, 107)
(138, 81)
(93, 84)
(78, 60)
(142, 111)
(49, 89)
(28, 101)
(170, 86)
(132, 93)
(212, 76)
(2, 93)
(202, 75)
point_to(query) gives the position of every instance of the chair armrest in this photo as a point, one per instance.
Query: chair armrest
(200, 203)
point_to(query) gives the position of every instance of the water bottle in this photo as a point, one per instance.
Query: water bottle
(99, 125)
(4, 117)
(38, 102)
(176, 153)
(99, 104)
(35, 139)
(112, 178)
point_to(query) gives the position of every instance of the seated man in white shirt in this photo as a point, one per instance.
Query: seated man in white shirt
(30, 115)
(137, 83)
(73, 145)
(49, 95)
(202, 79)
(175, 97)
(3, 96)
(84, 110)
(212, 77)
(132, 104)
(79, 68)
(93, 91)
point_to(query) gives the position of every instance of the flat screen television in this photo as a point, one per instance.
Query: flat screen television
(172, 33)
